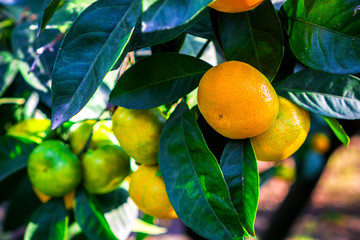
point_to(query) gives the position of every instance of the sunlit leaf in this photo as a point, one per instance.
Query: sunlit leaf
(193, 179)
(239, 166)
(14, 153)
(50, 222)
(338, 130)
(324, 34)
(88, 52)
(331, 95)
(157, 80)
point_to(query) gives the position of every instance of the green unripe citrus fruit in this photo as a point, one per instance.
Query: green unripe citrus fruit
(105, 168)
(53, 169)
(101, 135)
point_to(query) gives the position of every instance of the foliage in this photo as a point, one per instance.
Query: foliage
(73, 59)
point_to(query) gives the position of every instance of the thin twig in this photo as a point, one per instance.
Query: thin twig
(48, 47)
(202, 50)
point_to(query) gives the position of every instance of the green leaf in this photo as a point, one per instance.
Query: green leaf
(25, 46)
(324, 34)
(49, 8)
(193, 179)
(90, 217)
(50, 222)
(94, 43)
(331, 95)
(338, 130)
(167, 14)
(203, 28)
(157, 80)
(145, 39)
(14, 153)
(254, 37)
(120, 212)
(19, 212)
(239, 166)
(8, 70)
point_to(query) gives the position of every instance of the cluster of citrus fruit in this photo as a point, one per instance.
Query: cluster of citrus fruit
(138, 132)
(239, 102)
(93, 158)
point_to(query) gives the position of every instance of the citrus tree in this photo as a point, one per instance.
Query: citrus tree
(198, 92)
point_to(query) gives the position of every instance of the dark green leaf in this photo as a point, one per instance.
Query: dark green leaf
(338, 130)
(146, 39)
(88, 52)
(203, 28)
(331, 95)
(50, 222)
(49, 8)
(8, 70)
(23, 203)
(324, 34)
(254, 37)
(157, 80)
(239, 166)
(167, 14)
(90, 217)
(193, 179)
(14, 153)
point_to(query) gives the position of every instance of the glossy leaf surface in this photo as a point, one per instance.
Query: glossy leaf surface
(8, 70)
(239, 166)
(324, 34)
(50, 221)
(157, 80)
(14, 153)
(88, 52)
(90, 217)
(254, 37)
(331, 95)
(193, 179)
(338, 130)
(49, 8)
(166, 14)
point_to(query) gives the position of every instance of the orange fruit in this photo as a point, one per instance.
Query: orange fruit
(53, 169)
(42, 197)
(320, 142)
(105, 168)
(147, 190)
(138, 132)
(234, 6)
(101, 135)
(285, 136)
(33, 129)
(237, 100)
(69, 200)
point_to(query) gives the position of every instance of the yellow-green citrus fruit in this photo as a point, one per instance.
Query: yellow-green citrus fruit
(320, 142)
(237, 100)
(234, 6)
(147, 190)
(285, 136)
(101, 135)
(138, 132)
(53, 169)
(33, 129)
(105, 168)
